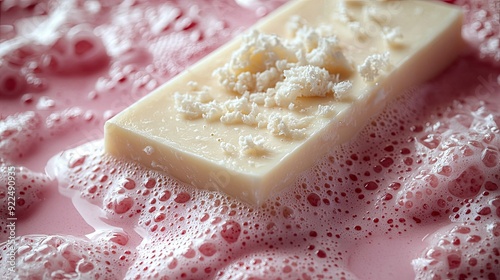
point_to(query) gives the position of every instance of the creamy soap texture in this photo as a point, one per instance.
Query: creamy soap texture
(246, 119)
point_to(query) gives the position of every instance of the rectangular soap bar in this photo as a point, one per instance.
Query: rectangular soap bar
(249, 117)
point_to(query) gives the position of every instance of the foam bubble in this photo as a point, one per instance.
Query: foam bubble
(12, 82)
(78, 51)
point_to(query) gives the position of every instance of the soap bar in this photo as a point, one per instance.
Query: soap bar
(249, 117)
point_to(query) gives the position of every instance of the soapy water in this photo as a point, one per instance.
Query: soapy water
(312, 229)
(424, 175)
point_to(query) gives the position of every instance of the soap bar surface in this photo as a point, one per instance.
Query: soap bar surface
(248, 118)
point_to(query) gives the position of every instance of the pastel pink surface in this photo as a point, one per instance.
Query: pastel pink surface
(415, 195)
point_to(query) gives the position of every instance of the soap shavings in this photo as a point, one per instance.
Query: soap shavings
(341, 89)
(302, 81)
(372, 15)
(248, 71)
(248, 145)
(393, 36)
(252, 145)
(288, 126)
(326, 110)
(346, 17)
(228, 148)
(371, 68)
(270, 71)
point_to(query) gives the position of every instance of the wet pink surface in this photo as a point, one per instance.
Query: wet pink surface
(414, 195)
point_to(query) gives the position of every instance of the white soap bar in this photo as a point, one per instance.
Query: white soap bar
(248, 118)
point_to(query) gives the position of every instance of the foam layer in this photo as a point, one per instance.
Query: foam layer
(68, 257)
(28, 191)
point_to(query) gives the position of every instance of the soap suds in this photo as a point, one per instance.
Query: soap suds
(68, 257)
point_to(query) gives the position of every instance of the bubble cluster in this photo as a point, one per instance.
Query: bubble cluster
(196, 232)
(29, 187)
(67, 257)
(78, 52)
(37, 49)
(458, 165)
(466, 250)
(61, 121)
(25, 4)
(483, 27)
(18, 134)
